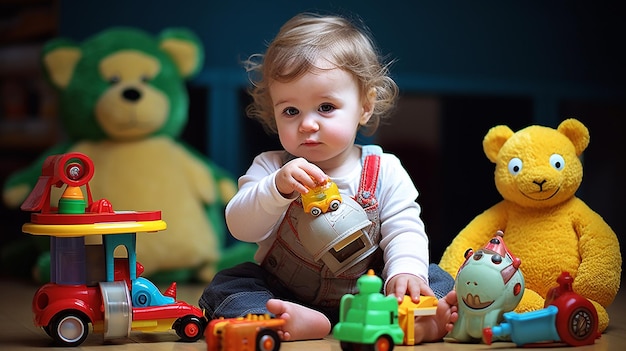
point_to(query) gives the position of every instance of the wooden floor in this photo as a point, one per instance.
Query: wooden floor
(17, 331)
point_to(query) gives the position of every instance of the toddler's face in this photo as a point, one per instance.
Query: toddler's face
(318, 114)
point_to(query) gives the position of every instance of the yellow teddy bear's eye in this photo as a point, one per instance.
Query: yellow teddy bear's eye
(557, 161)
(515, 166)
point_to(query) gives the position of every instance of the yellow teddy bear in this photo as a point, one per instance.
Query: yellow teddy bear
(537, 173)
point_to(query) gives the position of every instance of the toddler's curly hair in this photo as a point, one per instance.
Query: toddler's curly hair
(300, 43)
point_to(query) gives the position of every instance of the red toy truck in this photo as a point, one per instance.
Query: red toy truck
(90, 288)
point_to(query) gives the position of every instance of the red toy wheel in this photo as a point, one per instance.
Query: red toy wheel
(189, 328)
(578, 325)
(75, 169)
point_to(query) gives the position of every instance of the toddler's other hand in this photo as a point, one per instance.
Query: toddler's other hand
(408, 284)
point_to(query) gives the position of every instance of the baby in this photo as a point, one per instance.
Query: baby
(319, 83)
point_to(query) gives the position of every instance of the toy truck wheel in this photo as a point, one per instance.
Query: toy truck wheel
(579, 327)
(189, 328)
(267, 340)
(347, 346)
(68, 329)
(316, 211)
(334, 205)
(383, 343)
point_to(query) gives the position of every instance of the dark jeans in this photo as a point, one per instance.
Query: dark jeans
(245, 289)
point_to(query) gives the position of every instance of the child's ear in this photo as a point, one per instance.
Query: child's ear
(368, 106)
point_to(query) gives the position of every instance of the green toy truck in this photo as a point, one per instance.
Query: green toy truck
(370, 320)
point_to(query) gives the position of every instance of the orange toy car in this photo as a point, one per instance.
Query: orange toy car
(251, 333)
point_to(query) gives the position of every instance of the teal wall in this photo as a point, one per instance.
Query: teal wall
(544, 50)
(515, 44)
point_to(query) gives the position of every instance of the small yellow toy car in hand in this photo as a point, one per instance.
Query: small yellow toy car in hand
(322, 198)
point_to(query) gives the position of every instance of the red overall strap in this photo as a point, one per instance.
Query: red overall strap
(369, 179)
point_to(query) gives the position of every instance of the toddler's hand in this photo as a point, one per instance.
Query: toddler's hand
(298, 175)
(408, 284)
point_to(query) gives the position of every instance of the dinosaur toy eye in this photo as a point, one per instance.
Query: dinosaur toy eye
(497, 259)
(557, 161)
(478, 255)
(515, 166)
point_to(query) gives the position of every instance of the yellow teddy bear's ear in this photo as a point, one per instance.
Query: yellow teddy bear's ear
(575, 131)
(493, 141)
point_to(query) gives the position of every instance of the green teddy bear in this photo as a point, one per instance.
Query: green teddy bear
(123, 102)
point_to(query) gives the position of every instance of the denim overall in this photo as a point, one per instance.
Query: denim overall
(311, 281)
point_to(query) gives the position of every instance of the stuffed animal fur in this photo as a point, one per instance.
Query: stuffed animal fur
(537, 172)
(124, 103)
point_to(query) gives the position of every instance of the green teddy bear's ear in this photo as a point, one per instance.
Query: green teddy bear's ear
(185, 49)
(59, 59)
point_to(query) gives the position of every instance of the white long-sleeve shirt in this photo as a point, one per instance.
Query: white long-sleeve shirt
(257, 209)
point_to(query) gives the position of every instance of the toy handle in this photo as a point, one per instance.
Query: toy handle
(38, 196)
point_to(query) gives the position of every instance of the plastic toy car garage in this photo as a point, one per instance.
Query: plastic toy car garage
(90, 287)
